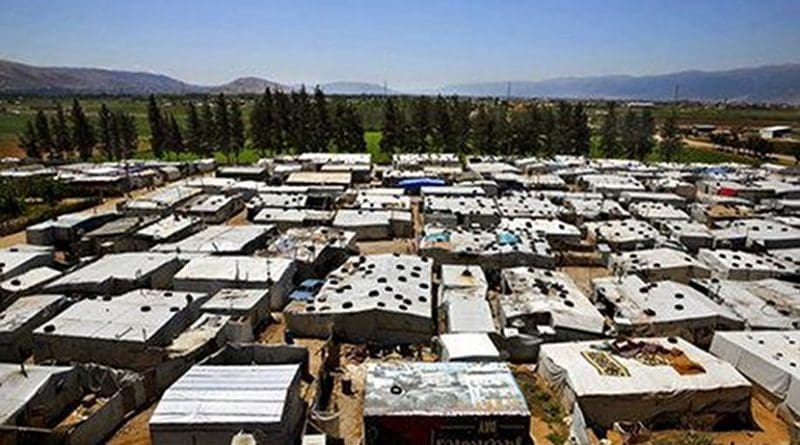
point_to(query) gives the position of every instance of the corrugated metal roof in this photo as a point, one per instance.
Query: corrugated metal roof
(468, 346)
(16, 388)
(219, 239)
(236, 300)
(168, 227)
(24, 309)
(139, 316)
(442, 389)
(237, 268)
(16, 262)
(121, 266)
(228, 395)
(336, 178)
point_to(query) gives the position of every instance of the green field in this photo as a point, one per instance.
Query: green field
(373, 147)
(12, 124)
(734, 117)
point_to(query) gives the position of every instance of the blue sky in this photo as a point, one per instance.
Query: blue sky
(410, 44)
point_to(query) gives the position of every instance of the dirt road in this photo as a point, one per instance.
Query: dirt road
(703, 145)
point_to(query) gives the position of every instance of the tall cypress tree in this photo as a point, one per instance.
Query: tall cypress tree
(83, 138)
(629, 134)
(499, 115)
(194, 130)
(484, 131)
(283, 122)
(259, 127)
(115, 132)
(442, 124)
(128, 140)
(29, 141)
(348, 134)
(299, 134)
(563, 136)
(420, 125)
(175, 137)
(524, 130)
(43, 134)
(609, 132)
(271, 124)
(61, 137)
(460, 118)
(105, 123)
(157, 128)
(547, 131)
(320, 126)
(536, 123)
(582, 132)
(223, 126)
(237, 129)
(355, 130)
(671, 141)
(391, 140)
(517, 132)
(209, 130)
(644, 137)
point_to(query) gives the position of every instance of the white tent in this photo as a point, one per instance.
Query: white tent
(642, 385)
(771, 359)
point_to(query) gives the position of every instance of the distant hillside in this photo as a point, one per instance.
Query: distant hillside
(776, 84)
(355, 89)
(21, 78)
(248, 85)
(28, 79)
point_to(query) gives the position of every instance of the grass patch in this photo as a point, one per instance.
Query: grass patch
(542, 404)
(733, 117)
(373, 139)
(686, 438)
(557, 438)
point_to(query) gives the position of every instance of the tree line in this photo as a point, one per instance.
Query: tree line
(284, 122)
(456, 125)
(214, 125)
(629, 135)
(280, 123)
(60, 137)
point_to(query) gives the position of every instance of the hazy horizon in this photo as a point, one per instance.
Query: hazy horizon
(411, 45)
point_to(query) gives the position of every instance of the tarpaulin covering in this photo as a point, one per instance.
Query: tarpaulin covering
(771, 359)
(416, 183)
(647, 392)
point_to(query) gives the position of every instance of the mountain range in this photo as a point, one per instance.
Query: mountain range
(767, 84)
(773, 83)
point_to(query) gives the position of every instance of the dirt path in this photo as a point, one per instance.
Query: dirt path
(708, 146)
(398, 245)
(583, 275)
(770, 430)
(135, 431)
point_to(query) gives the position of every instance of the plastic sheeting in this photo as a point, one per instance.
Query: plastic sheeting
(771, 359)
(648, 393)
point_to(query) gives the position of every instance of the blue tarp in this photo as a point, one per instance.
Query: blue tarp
(721, 170)
(416, 183)
(441, 237)
(507, 238)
